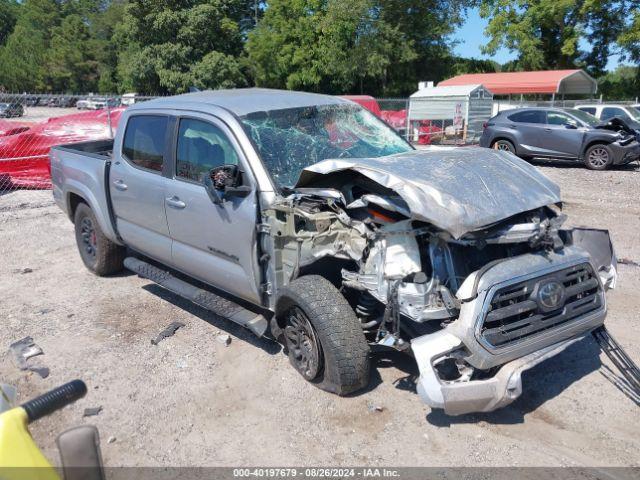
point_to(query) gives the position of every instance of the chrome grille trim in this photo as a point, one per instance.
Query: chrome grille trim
(512, 313)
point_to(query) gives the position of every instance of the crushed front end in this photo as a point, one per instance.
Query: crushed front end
(475, 279)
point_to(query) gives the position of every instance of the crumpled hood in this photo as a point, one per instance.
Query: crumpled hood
(457, 189)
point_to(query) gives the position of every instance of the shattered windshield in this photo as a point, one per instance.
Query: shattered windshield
(292, 139)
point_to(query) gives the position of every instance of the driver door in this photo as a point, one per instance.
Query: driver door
(212, 243)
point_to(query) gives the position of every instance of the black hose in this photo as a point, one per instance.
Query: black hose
(55, 399)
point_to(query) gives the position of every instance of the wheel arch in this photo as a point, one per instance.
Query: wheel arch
(76, 193)
(329, 268)
(73, 200)
(591, 143)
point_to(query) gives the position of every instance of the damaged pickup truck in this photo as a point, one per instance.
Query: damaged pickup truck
(333, 234)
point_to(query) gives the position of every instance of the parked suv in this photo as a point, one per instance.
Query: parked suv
(607, 111)
(562, 133)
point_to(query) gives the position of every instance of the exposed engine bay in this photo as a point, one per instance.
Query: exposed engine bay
(431, 268)
(623, 126)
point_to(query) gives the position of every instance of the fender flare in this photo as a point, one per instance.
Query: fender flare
(74, 187)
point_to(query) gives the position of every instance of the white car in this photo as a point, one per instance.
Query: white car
(607, 111)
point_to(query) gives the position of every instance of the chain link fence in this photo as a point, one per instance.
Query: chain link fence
(30, 124)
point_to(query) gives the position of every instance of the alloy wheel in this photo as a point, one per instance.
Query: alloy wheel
(503, 146)
(598, 157)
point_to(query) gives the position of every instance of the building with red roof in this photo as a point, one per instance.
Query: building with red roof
(550, 82)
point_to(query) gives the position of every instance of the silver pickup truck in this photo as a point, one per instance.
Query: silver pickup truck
(305, 217)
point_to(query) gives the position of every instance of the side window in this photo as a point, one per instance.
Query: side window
(556, 118)
(610, 112)
(589, 110)
(528, 116)
(145, 140)
(201, 147)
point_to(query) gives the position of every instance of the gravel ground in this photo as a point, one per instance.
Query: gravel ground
(193, 401)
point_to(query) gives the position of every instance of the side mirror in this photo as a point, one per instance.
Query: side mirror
(225, 182)
(571, 126)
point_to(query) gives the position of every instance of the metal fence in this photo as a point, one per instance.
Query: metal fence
(30, 124)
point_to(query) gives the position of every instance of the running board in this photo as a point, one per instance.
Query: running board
(215, 303)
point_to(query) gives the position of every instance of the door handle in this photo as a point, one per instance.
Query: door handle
(120, 185)
(175, 202)
(548, 129)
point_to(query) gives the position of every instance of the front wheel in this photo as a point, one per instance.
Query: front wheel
(322, 335)
(99, 254)
(598, 157)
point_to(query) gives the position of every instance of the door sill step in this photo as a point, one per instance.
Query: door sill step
(208, 300)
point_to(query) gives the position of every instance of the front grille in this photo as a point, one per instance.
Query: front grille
(517, 312)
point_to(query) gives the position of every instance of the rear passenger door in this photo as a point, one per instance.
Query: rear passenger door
(137, 185)
(214, 243)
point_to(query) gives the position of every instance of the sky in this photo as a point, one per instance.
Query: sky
(471, 36)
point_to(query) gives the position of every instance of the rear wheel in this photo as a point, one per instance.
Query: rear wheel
(504, 145)
(323, 336)
(598, 157)
(99, 254)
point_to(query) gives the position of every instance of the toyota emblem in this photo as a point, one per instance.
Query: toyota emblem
(551, 295)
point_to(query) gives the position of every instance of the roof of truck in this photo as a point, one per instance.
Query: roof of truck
(243, 101)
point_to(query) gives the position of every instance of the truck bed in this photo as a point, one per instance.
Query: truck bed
(101, 149)
(80, 172)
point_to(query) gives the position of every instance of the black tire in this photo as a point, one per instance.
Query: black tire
(99, 254)
(598, 157)
(332, 334)
(505, 145)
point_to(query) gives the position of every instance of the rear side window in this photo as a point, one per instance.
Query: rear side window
(610, 112)
(145, 141)
(590, 110)
(528, 116)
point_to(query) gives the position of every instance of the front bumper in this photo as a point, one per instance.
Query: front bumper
(460, 341)
(457, 398)
(623, 154)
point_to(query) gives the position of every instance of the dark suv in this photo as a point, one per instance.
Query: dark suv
(562, 133)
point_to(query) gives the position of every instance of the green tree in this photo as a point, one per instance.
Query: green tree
(72, 64)
(629, 38)
(621, 84)
(548, 33)
(8, 16)
(378, 46)
(23, 57)
(167, 46)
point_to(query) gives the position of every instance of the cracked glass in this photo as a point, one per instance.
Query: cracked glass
(292, 139)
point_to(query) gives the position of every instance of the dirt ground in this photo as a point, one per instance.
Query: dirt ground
(193, 401)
